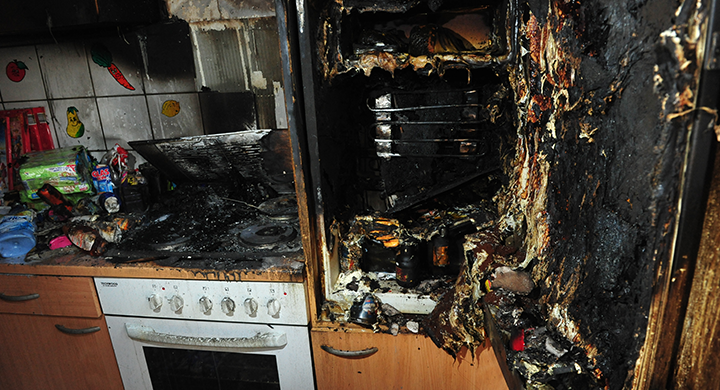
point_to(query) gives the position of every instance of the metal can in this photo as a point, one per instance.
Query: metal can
(365, 311)
(109, 202)
(86, 239)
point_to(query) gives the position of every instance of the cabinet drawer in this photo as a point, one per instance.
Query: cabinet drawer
(400, 362)
(48, 295)
(36, 354)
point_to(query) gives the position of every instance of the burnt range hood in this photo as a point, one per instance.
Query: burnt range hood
(252, 155)
(599, 165)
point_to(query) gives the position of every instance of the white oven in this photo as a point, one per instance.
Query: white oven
(192, 334)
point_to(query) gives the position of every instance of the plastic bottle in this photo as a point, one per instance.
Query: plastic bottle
(17, 235)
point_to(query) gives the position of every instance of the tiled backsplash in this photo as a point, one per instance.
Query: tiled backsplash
(159, 62)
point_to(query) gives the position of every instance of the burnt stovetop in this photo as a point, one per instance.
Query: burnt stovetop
(213, 226)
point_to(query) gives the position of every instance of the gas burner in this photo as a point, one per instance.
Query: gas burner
(283, 208)
(267, 235)
(173, 245)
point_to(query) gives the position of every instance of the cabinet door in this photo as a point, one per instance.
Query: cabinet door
(35, 354)
(401, 362)
(49, 295)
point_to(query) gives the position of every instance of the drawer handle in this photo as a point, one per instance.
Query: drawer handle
(349, 354)
(18, 298)
(91, 329)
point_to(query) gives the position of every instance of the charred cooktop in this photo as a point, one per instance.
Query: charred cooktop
(233, 207)
(204, 226)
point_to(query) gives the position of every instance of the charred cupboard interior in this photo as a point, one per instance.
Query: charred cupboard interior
(546, 137)
(428, 113)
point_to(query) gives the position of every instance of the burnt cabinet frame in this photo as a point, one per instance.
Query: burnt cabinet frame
(301, 149)
(674, 269)
(308, 116)
(674, 274)
(320, 243)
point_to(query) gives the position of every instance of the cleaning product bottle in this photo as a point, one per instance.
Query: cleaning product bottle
(17, 235)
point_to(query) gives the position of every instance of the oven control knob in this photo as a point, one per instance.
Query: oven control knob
(228, 306)
(176, 303)
(273, 306)
(155, 301)
(251, 307)
(205, 305)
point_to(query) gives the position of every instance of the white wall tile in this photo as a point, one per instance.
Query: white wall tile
(187, 122)
(31, 85)
(246, 9)
(124, 57)
(88, 114)
(168, 60)
(65, 70)
(194, 10)
(48, 114)
(124, 118)
(165, 85)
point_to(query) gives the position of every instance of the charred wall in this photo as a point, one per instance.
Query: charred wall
(601, 97)
(600, 152)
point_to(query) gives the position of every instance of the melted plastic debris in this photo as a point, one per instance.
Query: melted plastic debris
(351, 285)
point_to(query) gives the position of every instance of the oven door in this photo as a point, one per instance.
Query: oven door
(161, 354)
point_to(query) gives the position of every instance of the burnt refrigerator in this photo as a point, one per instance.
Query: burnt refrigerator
(560, 142)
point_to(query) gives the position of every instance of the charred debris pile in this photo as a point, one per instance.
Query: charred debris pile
(532, 150)
(235, 225)
(205, 226)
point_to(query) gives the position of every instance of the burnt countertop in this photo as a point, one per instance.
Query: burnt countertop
(207, 232)
(75, 262)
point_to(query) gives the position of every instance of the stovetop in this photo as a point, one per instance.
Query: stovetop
(212, 223)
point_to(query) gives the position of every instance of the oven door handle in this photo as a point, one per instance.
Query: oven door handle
(260, 341)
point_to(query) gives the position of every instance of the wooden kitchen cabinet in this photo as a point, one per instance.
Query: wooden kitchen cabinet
(53, 335)
(405, 361)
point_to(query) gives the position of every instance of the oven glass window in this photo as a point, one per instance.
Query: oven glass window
(179, 369)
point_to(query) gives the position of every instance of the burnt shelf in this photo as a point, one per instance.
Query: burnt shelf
(423, 36)
(362, 176)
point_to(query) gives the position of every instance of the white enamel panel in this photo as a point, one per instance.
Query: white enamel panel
(293, 359)
(132, 297)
